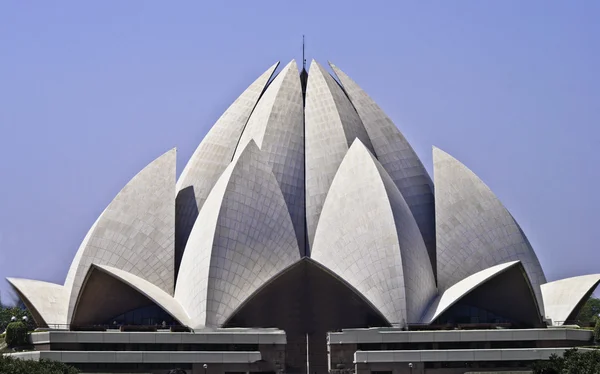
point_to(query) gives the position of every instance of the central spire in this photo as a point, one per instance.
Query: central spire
(303, 58)
(303, 74)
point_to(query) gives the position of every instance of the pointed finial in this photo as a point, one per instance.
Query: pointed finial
(303, 59)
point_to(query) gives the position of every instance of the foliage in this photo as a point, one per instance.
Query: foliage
(581, 363)
(16, 334)
(572, 362)
(597, 331)
(589, 312)
(7, 312)
(9, 365)
(553, 366)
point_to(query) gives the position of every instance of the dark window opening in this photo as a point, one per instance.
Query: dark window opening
(466, 314)
(151, 315)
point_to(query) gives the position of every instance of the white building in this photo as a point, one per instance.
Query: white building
(303, 209)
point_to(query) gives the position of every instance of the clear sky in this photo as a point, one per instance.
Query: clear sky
(92, 91)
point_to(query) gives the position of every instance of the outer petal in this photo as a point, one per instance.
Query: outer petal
(135, 232)
(47, 302)
(277, 127)
(368, 236)
(212, 157)
(564, 298)
(497, 290)
(474, 230)
(243, 236)
(331, 125)
(112, 292)
(462, 288)
(398, 158)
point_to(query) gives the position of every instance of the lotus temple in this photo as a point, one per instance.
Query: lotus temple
(304, 235)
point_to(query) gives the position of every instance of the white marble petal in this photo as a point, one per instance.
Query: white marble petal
(562, 297)
(474, 230)
(397, 158)
(47, 301)
(243, 236)
(277, 127)
(213, 155)
(331, 125)
(459, 290)
(368, 236)
(135, 233)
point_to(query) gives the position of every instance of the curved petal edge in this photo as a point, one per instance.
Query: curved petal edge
(368, 236)
(564, 298)
(398, 158)
(331, 125)
(243, 236)
(453, 294)
(108, 293)
(47, 301)
(474, 231)
(494, 290)
(135, 233)
(277, 127)
(158, 296)
(212, 156)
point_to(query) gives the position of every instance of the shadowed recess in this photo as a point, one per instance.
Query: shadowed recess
(103, 297)
(500, 295)
(306, 300)
(186, 199)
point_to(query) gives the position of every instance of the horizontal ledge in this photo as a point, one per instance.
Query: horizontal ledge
(466, 355)
(211, 337)
(192, 357)
(386, 336)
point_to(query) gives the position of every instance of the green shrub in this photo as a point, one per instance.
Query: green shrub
(597, 331)
(8, 312)
(9, 365)
(572, 362)
(588, 313)
(16, 334)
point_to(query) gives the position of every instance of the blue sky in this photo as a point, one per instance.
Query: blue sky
(91, 92)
